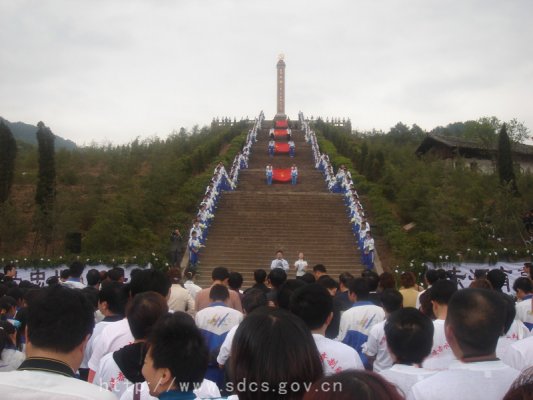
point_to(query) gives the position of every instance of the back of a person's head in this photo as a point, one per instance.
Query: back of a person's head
(359, 287)
(176, 343)
(16, 293)
(277, 277)
(294, 359)
(7, 303)
(286, 290)
(260, 276)
(313, 304)
(235, 280)
(76, 269)
(218, 293)
(59, 319)
(113, 294)
(219, 274)
(391, 300)
(328, 282)
(353, 384)
(497, 278)
(6, 330)
(149, 280)
(320, 268)
(93, 277)
(409, 335)
(481, 283)
(387, 281)
(174, 274)
(372, 278)
(253, 299)
(432, 275)
(522, 387)
(143, 312)
(345, 277)
(510, 311)
(308, 277)
(8, 268)
(91, 293)
(407, 279)
(477, 319)
(116, 274)
(523, 284)
(442, 291)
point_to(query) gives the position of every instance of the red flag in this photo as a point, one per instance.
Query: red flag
(281, 175)
(282, 124)
(280, 133)
(281, 147)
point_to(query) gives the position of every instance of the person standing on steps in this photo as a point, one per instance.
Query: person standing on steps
(271, 147)
(269, 174)
(294, 174)
(176, 248)
(368, 251)
(300, 265)
(194, 251)
(292, 148)
(279, 262)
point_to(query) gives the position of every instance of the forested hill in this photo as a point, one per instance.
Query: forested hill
(124, 200)
(26, 133)
(429, 209)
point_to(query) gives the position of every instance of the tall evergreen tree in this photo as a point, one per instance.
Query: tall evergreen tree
(505, 161)
(46, 185)
(8, 153)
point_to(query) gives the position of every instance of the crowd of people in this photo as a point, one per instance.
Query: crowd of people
(94, 335)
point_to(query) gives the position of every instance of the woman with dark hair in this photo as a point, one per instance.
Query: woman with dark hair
(353, 384)
(408, 289)
(10, 357)
(273, 356)
(386, 281)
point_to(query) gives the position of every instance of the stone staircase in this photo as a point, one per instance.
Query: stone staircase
(254, 221)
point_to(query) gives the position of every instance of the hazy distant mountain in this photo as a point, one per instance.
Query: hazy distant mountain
(27, 133)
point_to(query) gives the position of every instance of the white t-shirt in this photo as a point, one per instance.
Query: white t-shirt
(487, 380)
(517, 331)
(524, 311)
(405, 376)
(40, 385)
(335, 356)
(73, 284)
(11, 360)
(114, 336)
(225, 349)
(98, 328)
(376, 346)
(300, 266)
(192, 287)
(109, 376)
(519, 355)
(441, 355)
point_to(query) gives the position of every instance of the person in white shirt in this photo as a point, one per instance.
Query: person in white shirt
(441, 355)
(357, 322)
(279, 262)
(519, 355)
(474, 322)
(179, 298)
(524, 308)
(375, 348)
(300, 265)
(409, 338)
(514, 329)
(314, 305)
(430, 277)
(10, 357)
(122, 368)
(118, 334)
(189, 284)
(74, 279)
(59, 323)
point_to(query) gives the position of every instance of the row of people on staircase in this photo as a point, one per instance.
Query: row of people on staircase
(342, 182)
(220, 181)
(269, 173)
(272, 148)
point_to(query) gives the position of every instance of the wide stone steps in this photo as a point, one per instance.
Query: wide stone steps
(254, 221)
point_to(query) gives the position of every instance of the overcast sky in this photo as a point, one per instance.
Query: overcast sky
(97, 71)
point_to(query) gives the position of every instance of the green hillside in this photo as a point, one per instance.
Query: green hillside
(26, 133)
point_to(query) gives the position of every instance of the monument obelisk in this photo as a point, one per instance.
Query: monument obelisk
(280, 114)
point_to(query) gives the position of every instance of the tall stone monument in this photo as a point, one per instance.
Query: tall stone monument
(280, 114)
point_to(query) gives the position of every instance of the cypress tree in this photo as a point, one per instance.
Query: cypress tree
(505, 161)
(46, 185)
(8, 153)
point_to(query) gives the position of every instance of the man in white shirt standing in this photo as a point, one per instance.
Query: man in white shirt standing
(314, 305)
(279, 262)
(524, 308)
(409, 338)
(75, 272)
(60, 322)
(376, 346)
(475, 321)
